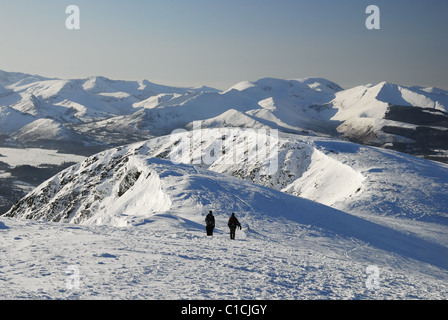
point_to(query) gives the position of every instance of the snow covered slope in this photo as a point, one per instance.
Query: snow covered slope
(348, 176)
(167, 257)
(114, 106)
(25, 99)
(108, 113)
(46, 130)
(408, 119)
(137, 231)
(353, 178)
(317, 213)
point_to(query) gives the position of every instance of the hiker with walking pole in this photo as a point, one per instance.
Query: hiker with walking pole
(233, 223)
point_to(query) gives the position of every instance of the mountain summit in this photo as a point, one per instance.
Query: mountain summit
(322, 217)
(102, 113)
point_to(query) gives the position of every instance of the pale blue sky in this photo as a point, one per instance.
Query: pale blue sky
(221, 42)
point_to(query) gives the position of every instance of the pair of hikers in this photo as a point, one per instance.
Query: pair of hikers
(232, 224)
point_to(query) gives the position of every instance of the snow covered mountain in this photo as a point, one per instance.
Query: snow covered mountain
(26, 99)
(316, 210)
(347, 176)
(408, 119)
(359, 206)
(106, 113)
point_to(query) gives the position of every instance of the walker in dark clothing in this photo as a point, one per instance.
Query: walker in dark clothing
(210, 223)
(233, 223)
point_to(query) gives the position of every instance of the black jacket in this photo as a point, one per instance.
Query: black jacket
(233, 222)
(210, 220)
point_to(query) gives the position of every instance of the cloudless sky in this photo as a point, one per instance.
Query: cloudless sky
(222, 42)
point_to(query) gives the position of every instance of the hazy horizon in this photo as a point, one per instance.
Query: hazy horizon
(218, 44)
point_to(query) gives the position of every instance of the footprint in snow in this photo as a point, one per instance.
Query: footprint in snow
(105, 255)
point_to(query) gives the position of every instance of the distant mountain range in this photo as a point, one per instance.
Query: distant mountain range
(84, 116)
(318, 212)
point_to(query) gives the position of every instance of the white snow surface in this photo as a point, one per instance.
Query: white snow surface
(36, 157)
(142, 236)
(130, 220)
(145, 109)
(169, 257)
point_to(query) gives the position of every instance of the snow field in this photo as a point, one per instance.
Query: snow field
(135, 226)
(289, 248)
(135, 221)
(35, 157)
(150, 262)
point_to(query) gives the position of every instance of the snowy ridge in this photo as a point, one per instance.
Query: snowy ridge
(407, 119)
(107, 113)
(285, 164)
(122, 187)
(81, 194)
(350, 177)
(140, 234)
(316, 211)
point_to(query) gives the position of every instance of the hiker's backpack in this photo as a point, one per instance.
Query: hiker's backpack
(210, 220)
